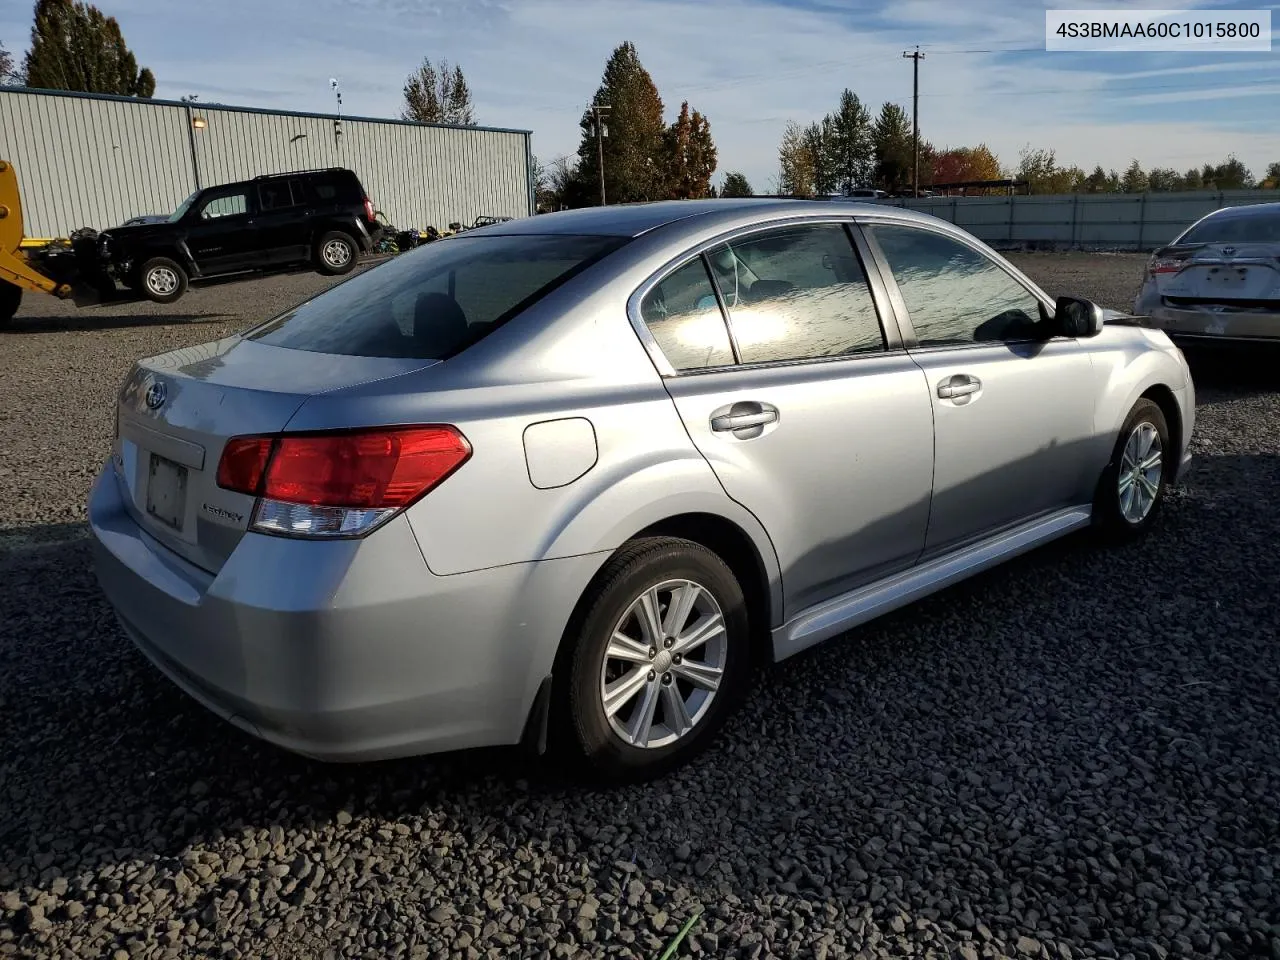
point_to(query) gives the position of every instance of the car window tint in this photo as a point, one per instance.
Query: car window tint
(1236, 228)
(275, 195)
(797, 293)
(953, 293)
(682, 315)
(436, 300)
(227, 205)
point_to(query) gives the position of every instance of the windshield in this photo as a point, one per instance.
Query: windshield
(182, 210)
(1252, 227)
(435, 301)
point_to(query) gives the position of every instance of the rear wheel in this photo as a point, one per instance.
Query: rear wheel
(10, 300)
(660, 662)
(162, 280)
(1133, 485)
(335, 253)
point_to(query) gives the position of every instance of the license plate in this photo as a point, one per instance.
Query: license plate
(167, 491)
(1228, 280)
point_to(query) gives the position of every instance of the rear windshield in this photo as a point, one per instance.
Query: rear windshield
(1250, 228)
(437, 300)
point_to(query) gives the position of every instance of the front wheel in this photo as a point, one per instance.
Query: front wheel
(335, 253)
(162, 280)
(661, 660)
(1133, 485)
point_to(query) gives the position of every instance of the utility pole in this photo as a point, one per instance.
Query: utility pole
(599, 110)
(915, 118)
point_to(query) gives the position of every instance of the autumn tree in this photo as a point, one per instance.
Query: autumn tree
(795, 163)
(75, 46)
(1043, 174)
(894, 153)
(690, 155)
(438, 94)
(736, 185)
(965, 165)
(1272, 179)
(636, 134)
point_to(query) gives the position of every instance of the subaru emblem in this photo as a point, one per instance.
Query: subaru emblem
(156, 394)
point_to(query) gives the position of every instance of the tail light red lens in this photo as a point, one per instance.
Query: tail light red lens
(377, 471)
(1160, 265)
(369, 213)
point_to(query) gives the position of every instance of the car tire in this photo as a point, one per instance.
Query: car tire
(162, 280)
(10, 301)
(683, 716)
(336, 253)
(1130, 495)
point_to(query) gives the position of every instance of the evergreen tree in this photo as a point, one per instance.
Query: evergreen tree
(891, 136)
(74, 46)
(634, 147)
(795, 163)
(852, 150)
(736, 185)
(438, 94)
(1135, 179)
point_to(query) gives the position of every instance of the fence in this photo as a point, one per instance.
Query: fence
(94, 161)
(1141, 221)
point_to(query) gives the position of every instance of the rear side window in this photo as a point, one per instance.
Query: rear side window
(436, 301)
(1247, 228)
(682, 315)
(279, 194)
(797, 293)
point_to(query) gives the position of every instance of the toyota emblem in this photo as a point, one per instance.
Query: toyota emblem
(156, 394)
(1229, 251)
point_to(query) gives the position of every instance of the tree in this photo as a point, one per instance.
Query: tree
(634, 148)
(438, 94)
(891, 137)
(851, 150)
(795, 163)
(1192, 180)
(74, 46)
(6, 65)
(1272, 180)
(1113, 182)
(1163, 179)
(817, 141)
(965, 164)
(690, 155)
(1096, 182)
(736, 185)
(1134, 179)
(1041, 171)
(1229, 175)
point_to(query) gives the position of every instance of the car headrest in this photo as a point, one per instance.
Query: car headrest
(766, 289)
(438, 322)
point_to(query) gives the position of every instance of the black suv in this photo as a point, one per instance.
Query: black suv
(322, 217)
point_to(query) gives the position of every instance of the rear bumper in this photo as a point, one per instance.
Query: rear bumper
(1191, 325)
(342, 651)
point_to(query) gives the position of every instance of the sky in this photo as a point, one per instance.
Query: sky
(749, 65)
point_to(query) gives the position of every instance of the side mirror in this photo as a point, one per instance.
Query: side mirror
(1077, 317)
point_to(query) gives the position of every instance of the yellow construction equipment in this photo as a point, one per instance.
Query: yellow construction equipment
(18, 270)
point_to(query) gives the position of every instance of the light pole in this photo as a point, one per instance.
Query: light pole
(599, 110)
(337, 121)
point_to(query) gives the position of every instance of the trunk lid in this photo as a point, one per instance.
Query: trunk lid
(1240, 273)
(177, 410)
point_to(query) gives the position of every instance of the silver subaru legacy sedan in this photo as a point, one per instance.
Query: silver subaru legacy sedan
(563, 480)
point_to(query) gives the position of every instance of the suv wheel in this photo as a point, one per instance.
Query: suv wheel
(162, 280)
(335, 253)
(661, 660)
(1134, 482)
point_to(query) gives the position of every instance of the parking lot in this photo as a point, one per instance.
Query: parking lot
(1076, 755)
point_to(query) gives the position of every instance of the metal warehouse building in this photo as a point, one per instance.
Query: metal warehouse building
(86, 160)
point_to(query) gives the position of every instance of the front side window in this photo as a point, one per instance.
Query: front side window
(682, 315)
(954, 294)
(797, 293)
(226, 205)
(435, 301)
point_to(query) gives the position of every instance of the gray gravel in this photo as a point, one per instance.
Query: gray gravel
(1075, 756)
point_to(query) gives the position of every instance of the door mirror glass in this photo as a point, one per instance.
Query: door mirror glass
(1077, 317)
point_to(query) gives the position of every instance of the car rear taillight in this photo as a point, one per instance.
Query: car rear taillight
(342, 483)
(369, 213)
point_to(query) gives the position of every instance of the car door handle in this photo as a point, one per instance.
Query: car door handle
(743, 421)
(960, 385)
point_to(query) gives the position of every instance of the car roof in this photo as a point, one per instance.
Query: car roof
(1270, 208)
(634, 219)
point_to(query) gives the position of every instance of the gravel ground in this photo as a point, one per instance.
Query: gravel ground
(1075, 756)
